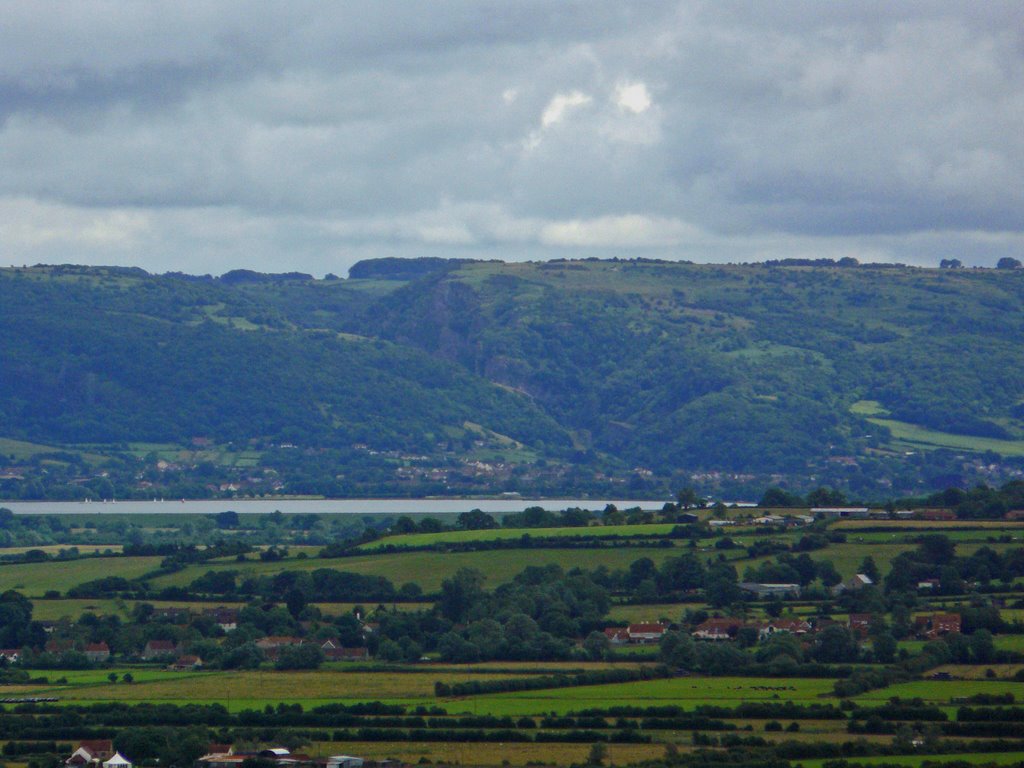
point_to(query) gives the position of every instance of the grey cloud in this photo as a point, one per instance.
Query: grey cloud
(308, 134)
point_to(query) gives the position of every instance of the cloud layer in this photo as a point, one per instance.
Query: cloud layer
(209, 136)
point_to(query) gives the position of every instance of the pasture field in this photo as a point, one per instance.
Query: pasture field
(21, 450)
(35, 579)
(53, 549)
(685, 692)
(947, 527)
(72, 608)
(652, 612)
(94, 677)
(980, 671)
(556, 753)
(1009, 642)
(907, 434)
(241, 689)
(846, 557)
(429, 569)
(504, 534)
(941, 691)
(912, 761)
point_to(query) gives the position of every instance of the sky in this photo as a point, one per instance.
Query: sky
(208, 136)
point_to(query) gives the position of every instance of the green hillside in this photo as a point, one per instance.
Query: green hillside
(555, 377)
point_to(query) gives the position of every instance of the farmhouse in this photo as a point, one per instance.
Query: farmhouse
(937, 625)
(97, 651)
(225, 618)
(335, 651)
(91, 753)
(156, 649)
(717, 629)
(617, 635)
(10, 655)
(860, 623)
(186, 663)
(645, 633)
(789, 626)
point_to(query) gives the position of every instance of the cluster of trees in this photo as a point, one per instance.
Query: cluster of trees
(981, 502)
(935, 558)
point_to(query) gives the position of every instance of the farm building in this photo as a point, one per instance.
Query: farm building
(852, 584)
(854, 513)
(770, 590)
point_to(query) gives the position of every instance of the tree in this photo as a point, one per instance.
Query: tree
(982, 647)
(475, 520)
(835, 645)
(460, 592)
(305, 656)
(678, 650)
(1007, 262)
(598, 754)
(295, 601)
(777, 497)
(884, 646)
(688, 498)
(228, 519)
(951, 264)
(597, 645)
(825, 497)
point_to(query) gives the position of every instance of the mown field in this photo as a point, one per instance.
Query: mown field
(912, 761)
(941, 691)
(505, 534)
(686, 692)
(35, 579)
(246, 689)
(429, 569)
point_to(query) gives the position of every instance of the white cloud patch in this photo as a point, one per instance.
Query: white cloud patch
(633, 97)
(561, 105)
(628, 231)
(27, 224)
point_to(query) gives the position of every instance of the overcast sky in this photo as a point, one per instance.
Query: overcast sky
(207, 136)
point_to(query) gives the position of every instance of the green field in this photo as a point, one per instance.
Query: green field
(687, 692)
(912, 761)
(21, 450)
(35, 579)
(921, 437)
(429, 569)
(239, 690)
(504, 534)
(941, 691)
